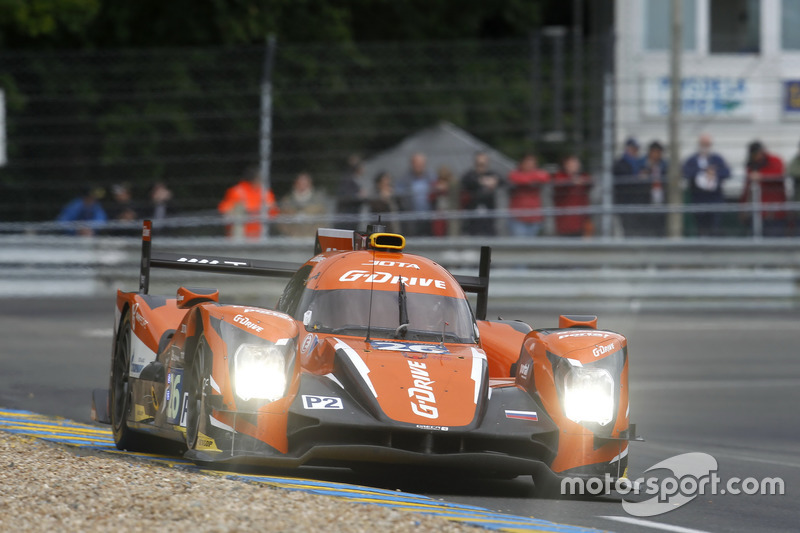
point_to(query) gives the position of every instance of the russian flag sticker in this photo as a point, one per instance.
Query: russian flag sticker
(522, 415)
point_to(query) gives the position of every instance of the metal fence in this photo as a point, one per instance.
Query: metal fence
(192, 117)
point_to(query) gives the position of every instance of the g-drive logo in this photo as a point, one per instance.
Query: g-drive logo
(693, 474)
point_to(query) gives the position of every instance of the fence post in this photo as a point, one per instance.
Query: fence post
(535, 42)
(608, 138)
(755, 210)
(265, 145)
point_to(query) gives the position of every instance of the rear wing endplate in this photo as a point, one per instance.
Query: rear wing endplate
(479, 284)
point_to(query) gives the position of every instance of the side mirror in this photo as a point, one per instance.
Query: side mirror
(191, 296)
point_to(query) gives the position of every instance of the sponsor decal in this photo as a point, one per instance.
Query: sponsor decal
(204, 261)
(388, 277)
(524, 369)
(398, 264)
(138, 318)
(321, 402)
(522, 415)
(246, 322)
(433, 428)
(266, 312)
(584, 334)
(206, 443)
(408, 347)
(602, 350)
(317, 259)
(423, 401)
(308, 343)
(141, 355)
(139, 413)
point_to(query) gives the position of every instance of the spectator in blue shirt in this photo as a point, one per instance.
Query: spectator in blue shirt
(414, 193)
(83, 215)
(705, 172)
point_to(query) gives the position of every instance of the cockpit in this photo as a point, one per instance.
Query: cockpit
(387, 314)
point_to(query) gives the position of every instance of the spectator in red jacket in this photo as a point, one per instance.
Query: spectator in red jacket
(571, 188)
(765, 172)
(526, 184)
(242, 204)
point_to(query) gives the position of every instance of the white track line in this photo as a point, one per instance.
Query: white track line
(654, 525)
(706, 384)
(98, 333)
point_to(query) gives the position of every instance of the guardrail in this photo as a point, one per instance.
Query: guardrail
(566, 275)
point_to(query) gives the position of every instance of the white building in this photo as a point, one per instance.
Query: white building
(740, 79)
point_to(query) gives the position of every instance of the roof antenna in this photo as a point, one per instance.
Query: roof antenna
(368, 340)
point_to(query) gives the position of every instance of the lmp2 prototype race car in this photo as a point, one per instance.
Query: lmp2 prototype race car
(371, 356)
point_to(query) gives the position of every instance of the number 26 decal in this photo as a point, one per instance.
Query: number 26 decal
(408, 347)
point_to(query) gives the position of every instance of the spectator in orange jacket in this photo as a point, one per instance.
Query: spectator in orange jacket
(572, 188)
(767, 171)
(243, 201)
(526, 183)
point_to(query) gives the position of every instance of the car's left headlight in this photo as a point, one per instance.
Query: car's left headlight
(260, 372)
(589, 395)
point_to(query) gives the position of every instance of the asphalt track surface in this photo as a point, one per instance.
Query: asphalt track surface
(722, 383)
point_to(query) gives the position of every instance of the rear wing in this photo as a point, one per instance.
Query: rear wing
(205, 263)
(326, 240)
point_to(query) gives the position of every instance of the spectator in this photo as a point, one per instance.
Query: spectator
(384, 201)
(794, 173)
(571, 189)
(160, 197)
(121, 207)
(414, 191)
(654, 174)
(305, 203)
(705, 171)
(351, 192)
(243, 202)
(526, 183)
(444, 197)
(83, 215)
(630, 186)
(765, 172)
(479, 190)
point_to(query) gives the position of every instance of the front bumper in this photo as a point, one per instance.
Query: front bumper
(493, 444)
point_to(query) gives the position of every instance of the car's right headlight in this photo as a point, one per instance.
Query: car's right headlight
(260, 371)
(589, 395)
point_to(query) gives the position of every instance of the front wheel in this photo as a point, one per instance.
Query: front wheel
(121, 389)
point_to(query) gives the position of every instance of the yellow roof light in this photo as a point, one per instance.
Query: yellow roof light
(387, 241)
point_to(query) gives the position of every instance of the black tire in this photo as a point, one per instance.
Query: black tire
(121, 398)
(197, 372)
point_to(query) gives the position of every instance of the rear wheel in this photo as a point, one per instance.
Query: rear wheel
(121, 391)
(196, 412)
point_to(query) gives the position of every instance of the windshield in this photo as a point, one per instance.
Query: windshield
(431, 317)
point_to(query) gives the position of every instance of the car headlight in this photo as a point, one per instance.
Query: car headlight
(589, 395)
(260, 372)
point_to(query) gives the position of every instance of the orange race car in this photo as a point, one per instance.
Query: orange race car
(371, 355)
